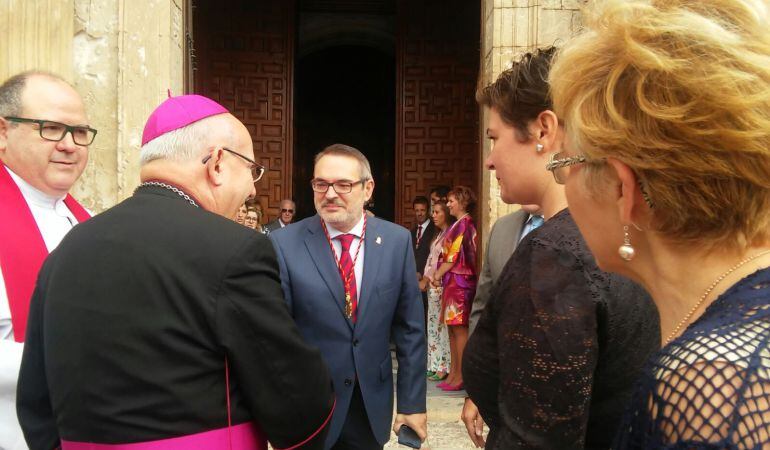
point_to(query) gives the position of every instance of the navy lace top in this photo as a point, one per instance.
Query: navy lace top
(709, 388)
(556, 354)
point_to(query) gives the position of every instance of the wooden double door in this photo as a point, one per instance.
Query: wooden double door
(415, 115)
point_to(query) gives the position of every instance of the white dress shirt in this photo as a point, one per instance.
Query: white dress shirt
(54, 220)
(356, 231)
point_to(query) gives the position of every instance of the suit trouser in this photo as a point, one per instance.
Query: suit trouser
(356, 432)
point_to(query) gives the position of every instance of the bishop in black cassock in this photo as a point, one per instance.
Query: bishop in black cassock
(161, 324)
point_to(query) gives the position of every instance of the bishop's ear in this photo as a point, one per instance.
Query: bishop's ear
(215, 167)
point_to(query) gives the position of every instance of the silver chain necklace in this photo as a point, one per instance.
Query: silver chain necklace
(170, 188)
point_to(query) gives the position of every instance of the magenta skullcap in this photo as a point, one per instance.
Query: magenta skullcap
(178, 112)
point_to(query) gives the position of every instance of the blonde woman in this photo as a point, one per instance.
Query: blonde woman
(667, 174)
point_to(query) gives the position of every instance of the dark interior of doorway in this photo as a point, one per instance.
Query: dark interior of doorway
(346, 94)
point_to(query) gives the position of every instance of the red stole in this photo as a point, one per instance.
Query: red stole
(22, 249)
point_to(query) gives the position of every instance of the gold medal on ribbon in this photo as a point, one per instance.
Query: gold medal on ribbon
(348, 305)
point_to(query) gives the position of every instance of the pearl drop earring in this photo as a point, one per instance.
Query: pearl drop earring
(539, 148)
(626, 251)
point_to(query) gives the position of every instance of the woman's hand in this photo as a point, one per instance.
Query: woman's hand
(473, 423)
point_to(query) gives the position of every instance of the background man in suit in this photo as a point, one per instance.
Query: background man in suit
(439, 194)
(422, 235)
(504, 237)
(285, 217)
(145, 315)
(44, 138)
(350, 285)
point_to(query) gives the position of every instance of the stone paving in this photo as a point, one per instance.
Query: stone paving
(445, 429)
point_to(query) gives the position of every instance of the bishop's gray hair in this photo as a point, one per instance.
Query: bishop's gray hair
(181, 144)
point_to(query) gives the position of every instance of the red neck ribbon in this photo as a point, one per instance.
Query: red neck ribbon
(345, 279)
(22, 249)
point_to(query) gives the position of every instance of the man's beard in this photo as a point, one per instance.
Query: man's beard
(343, 217)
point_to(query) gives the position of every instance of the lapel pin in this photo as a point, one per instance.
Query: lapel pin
(378, 240)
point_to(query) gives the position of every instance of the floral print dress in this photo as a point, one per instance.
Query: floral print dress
(438, 334)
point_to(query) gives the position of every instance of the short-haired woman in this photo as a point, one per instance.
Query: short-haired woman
(554, 357)
(252, 219)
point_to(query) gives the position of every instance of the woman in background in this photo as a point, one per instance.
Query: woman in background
(252, 219)
(438, 336)
(240, 216)
(256, 224)
(456, 274)
(667, 173)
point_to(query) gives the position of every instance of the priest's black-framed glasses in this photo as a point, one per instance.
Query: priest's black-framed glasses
(56, 131)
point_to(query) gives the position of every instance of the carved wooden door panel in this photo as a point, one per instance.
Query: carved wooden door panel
(244, 60)
(437, 128)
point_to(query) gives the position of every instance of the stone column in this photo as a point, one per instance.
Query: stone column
(510, 28)
(127, 55)
(36, 34)
(121, 55)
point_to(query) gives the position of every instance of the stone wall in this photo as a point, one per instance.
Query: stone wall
(127, 55)
(36, 34)
(510, 28)
(122, 56)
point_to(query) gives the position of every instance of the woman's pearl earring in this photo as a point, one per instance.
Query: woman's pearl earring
(626, 251)
(539, 148)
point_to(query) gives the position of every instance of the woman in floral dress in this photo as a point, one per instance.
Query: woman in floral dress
(438, 335)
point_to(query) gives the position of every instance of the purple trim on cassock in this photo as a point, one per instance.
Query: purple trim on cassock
(245, 436)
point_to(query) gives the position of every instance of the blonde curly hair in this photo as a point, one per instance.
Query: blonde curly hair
(679, 90)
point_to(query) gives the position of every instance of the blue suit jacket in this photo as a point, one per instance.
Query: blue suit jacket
(389, 308)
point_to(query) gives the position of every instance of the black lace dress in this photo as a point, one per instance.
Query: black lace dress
(555, 356)
(709, 388)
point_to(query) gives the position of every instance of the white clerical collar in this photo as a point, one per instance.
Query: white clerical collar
(355, 231)
(424, 225)
(33, 195)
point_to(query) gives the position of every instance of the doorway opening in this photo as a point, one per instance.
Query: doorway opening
(346, 94)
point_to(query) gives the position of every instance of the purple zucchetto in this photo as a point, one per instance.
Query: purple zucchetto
(178, 112)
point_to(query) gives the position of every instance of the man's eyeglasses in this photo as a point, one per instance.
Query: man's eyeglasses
(56, 131)
(257, 169)
(556, 163)
(284, 210)
(340, 187)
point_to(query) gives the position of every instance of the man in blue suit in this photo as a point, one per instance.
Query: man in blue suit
(349, 283)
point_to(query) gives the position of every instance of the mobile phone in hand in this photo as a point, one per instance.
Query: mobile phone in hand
(408, 437)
